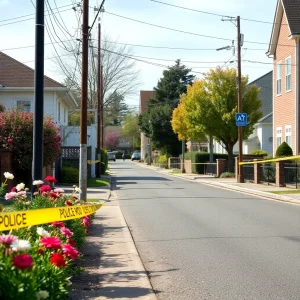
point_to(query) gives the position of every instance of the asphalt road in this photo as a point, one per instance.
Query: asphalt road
(201, 242)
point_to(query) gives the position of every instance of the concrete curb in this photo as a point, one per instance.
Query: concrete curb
(217, 184)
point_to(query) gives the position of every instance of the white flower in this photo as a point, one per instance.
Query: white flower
(38, 182)
(77, 189)
(42, 295)
(42, 232)
(20, 245)
(20, 187)
(8, 175)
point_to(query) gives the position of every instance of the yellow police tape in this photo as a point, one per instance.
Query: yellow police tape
(269, 160)
(24, 218)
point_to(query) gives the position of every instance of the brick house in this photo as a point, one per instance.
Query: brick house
(285, 51)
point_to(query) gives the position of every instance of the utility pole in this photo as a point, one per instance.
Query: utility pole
(83, 103)
(102, 108)
(240, 128)
(99, 119)
(37, 162)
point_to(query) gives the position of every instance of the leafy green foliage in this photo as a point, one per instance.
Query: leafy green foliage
(284, 150)
(69, 174)
(258, 152)
(131, 129)
(74, 119)
(227, 175)
(156, 121)
(163, 159)
(104, 161)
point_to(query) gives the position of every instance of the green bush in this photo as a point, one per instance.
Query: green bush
(284, 150)
(227, 175)
(104, 161)
(163, 159)
(69, 174)
(258, 152)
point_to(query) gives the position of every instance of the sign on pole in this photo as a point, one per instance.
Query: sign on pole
(241, 119)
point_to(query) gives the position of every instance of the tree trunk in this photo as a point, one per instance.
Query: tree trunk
(229, 149)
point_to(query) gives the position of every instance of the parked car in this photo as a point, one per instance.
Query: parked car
(111, 156)
(136, 156)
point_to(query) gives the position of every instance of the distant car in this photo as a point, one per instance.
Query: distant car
(136, 156)
(111, 156)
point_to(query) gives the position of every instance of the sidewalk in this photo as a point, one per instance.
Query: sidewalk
(111, 263)
(261, 190)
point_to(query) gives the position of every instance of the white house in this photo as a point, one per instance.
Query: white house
(17, 88)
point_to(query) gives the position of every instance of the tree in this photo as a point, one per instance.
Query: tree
(120, 74)
(211, 103)
(156, 122)
(74, 119)
(116, 109)
(111, 140)
(131, 130)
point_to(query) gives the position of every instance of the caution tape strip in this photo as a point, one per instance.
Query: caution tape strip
(269, 160)
(25, 218)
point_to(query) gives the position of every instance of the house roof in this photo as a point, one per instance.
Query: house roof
(15, 74)
(292, 11)
(265, 83)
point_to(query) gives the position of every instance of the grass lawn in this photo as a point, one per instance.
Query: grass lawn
(93, 200)
(96, 182)
(176, 172)
(286, 192)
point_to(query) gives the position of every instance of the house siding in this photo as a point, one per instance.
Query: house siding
(265, 135)
(284, 105)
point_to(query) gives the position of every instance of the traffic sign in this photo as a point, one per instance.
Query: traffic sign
(241, 119)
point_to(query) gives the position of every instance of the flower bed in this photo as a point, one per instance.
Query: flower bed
(37, 262)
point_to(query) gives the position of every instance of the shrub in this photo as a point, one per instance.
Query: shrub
(227, 175)
(258, 152)
(16, 135)
(104, 161)
(284, 150)
(163, 159)
(69, 174)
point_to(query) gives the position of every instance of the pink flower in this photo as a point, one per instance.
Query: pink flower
(9, 140)
(50, 179)
(65, 231)
(10, 195)
(57, 224)
(51, 242)
(61, 191)
(70, 251)
(85, 222)
(7, 239)
(23, 261)
(45, 188)
(22, 194)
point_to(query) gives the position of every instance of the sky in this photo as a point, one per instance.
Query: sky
(195, 25)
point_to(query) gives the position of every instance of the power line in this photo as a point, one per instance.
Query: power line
(191, 33)
(100, 8)
(210, 13)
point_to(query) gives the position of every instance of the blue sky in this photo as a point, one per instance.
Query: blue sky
(126, 31)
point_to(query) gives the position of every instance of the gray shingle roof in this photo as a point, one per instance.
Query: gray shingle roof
(292, 10)
(265, 83)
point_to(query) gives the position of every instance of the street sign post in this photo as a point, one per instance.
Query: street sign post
(241, 119)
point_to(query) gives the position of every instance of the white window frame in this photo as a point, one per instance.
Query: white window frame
(288, 134)
(278, 136)
(279, 78)
(288, 75)
(23, 101)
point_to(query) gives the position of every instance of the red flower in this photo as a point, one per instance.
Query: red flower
(23, 261)
(13, 189)
(51, 242)
(53, 195)
(40, 251)
(9, 140)
(57, 224)
(50, 179)
(45, 188)
(71, 242)
(58, 260)
(70, 251)
(68, 203)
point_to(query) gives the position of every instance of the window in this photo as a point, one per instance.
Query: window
(278, 136)
(24, 106)
(58, 112)
(288, 135)
(278, 78)
(65, 115)
(288, 74)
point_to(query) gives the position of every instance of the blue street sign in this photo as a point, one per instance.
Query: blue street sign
(241, 119)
